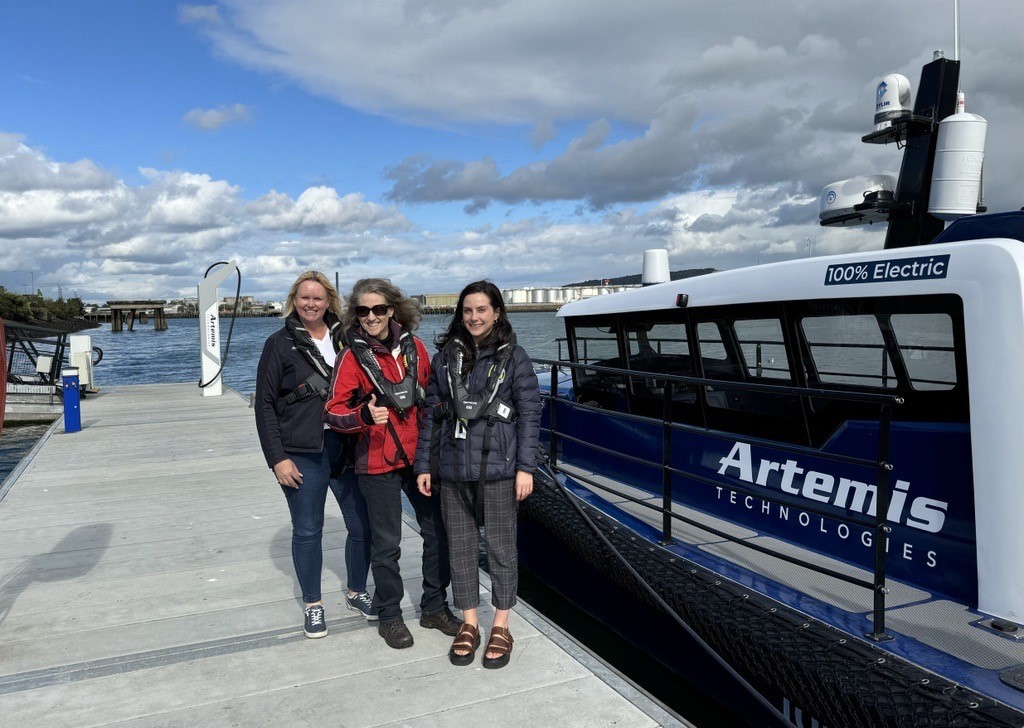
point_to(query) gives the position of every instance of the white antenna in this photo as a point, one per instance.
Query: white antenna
(956, 30)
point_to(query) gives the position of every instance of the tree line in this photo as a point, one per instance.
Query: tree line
(35, 309)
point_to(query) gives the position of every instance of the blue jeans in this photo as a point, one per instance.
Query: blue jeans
(307, 503)
(383, 496)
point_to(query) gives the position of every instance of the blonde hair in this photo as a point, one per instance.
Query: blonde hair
(333, 299)
(407, 310)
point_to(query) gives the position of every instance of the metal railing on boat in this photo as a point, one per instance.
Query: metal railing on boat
(882, 466)
(34, 354)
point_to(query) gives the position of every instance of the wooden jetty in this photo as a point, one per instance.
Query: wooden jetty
(152, 585)
(124, 313)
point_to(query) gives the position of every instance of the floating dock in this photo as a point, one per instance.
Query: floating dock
(146, 580)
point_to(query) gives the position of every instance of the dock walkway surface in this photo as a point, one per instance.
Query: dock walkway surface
(146, 580)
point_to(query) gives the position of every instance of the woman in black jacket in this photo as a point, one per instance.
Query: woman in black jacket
(292, 383)
(478, 446)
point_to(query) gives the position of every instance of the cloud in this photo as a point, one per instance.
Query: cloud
(660, 161)
(78, 225)
(769, 94)
(199, 14)
(214, 119)
(321, 209)
(23, 169)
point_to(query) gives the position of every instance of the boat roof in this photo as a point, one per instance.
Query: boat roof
(808, 278)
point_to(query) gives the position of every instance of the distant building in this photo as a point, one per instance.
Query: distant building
(438, 300)
(556, 296)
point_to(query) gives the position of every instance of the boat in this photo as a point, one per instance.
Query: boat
(34, 357)
(798, 485)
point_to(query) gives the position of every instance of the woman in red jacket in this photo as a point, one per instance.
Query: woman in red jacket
(378, 392)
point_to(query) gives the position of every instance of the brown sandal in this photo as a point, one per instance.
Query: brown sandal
(500, 642)
(467, 638)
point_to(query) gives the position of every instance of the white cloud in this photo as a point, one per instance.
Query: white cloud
(320, 209)
(214, 119)
(78, 225)
(23, 169)
(758, 81)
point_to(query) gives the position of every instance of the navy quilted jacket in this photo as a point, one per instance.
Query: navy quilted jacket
(514, 445)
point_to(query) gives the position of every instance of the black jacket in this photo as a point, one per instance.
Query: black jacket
(296, 427)
(514, 445)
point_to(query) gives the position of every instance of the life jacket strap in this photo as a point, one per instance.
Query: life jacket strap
(314, 386)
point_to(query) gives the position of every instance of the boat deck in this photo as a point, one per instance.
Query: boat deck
(932, 621)
(146, 580)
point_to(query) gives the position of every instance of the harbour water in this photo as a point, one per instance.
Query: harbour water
(15, 442)
(145, 356)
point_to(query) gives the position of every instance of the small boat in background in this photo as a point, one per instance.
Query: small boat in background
(33, 359)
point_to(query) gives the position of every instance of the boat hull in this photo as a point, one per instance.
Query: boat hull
(809, 670)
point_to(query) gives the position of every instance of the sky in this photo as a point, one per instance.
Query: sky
(436, 142)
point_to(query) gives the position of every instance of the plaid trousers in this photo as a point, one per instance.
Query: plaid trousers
(500, 510)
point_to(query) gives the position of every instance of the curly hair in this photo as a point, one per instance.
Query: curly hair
(407, 310)
(333, 299)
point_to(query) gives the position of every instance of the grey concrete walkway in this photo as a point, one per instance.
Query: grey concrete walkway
(146, 580)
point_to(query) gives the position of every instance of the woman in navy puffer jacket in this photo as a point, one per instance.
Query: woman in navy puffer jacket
(478, 447)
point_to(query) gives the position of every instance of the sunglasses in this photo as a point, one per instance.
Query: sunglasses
(379, 310)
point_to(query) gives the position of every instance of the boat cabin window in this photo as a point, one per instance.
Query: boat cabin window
(658, 347)
(910, 345)
(598, 344)
(926, 342)
(852, 350)
(848, 350)
(712, 344)
(764, 352)
(737, 348)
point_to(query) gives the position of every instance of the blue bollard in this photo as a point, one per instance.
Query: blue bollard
(72, 400)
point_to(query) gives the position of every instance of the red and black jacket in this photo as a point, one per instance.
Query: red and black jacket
(377, 450)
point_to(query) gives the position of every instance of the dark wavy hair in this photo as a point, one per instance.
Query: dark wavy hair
(499, 335)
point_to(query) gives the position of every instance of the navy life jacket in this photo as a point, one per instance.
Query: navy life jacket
(462, 407)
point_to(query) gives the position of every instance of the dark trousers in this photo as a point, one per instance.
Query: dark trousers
(500, 509)
(307, 503)
(383, 496)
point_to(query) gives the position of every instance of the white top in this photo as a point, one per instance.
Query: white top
(326, 348)
(327, 351)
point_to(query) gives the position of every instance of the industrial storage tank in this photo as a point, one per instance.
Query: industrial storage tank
(519, 295)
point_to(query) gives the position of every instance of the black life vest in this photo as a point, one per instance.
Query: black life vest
(485, 404)
(462, 406)
(398, 396)
(318, 383)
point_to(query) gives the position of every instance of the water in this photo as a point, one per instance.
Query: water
(15, 442)
(145, 356)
